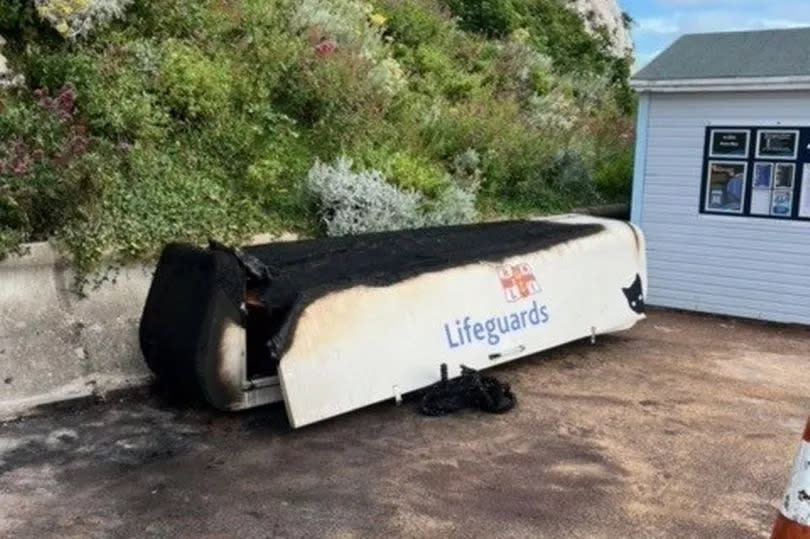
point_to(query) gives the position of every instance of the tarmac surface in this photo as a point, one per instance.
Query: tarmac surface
(685, 426)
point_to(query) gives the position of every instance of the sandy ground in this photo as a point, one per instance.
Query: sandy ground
(685, 426)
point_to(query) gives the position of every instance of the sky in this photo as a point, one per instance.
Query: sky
(660, 22)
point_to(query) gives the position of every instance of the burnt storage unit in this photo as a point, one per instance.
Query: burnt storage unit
(722, 174)
(331, 325)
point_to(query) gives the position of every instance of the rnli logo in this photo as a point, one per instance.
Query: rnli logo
(518, 281)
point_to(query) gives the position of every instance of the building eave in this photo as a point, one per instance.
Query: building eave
(741, 84)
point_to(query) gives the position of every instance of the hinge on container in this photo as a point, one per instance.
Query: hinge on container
(507, 353)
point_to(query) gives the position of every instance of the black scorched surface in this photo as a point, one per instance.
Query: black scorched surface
(385, 258)
(303, 271)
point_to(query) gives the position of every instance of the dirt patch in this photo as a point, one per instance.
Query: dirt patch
(685, 426)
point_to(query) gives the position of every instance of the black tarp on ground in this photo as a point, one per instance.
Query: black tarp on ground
(178, 310)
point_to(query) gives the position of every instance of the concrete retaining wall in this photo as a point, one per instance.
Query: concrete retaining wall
(55, 345)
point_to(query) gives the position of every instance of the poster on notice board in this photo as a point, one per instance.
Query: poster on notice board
(761, 202)
(804, 200)
(781, 203)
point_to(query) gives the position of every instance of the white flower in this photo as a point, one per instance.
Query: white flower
(388, 76)
(8, 79)
(76, 18)
(346, 22)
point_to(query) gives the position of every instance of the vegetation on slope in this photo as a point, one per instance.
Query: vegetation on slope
(151, 121)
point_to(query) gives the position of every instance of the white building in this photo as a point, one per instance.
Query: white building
(722, 174)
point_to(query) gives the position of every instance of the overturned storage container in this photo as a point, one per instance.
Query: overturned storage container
(332, 325)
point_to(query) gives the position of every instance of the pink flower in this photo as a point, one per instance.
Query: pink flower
(66, 100)
(47, 103)
(18, 147)
(325, 47)
(79, 145)
(19, 167)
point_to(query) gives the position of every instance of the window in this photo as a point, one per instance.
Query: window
(726, 186)
(757, 172)
(777, 144)
(729, 143)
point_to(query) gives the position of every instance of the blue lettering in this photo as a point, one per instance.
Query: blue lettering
(458, 331)
(492, 337)
(492, 329)
(534, 314)
(449, 338)
(467, 328)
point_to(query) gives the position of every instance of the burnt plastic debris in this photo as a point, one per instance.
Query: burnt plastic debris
(471, 390)
(255, 270)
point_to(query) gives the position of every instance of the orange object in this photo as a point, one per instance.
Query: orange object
(793, 520)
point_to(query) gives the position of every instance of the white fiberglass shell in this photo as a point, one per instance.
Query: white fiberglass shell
(361, 345)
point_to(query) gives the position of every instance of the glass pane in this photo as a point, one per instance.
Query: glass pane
(726, 186)
(804, 202)
(785, 172)
(761, 202)
(782, 203)
(779, 144)
(729, 143)
(763, 175)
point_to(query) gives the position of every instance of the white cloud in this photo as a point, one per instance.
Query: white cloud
(784, 23)
(717, 3)
(712, 20)
(658, 25)
(720, 20)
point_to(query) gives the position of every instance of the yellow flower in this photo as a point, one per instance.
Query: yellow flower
(62, 28)
(521, 35)
(377, 19)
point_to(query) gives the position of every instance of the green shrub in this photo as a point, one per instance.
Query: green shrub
(47, 162)
(120, 104)
(553, 28)
(275, 179)
(510, 150)
(14, 225)
(15, 16)
(412, 24)
(492, 18)
(191, 118)
(614, 176)
(193, 85)
(178, 19)
(46, 68)
(78, 18)
(346, 22)
(155, 198)
(352, 202)
(520, 70)
(407, 171)
(567, 176)
(417, 173)
(334, 96)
